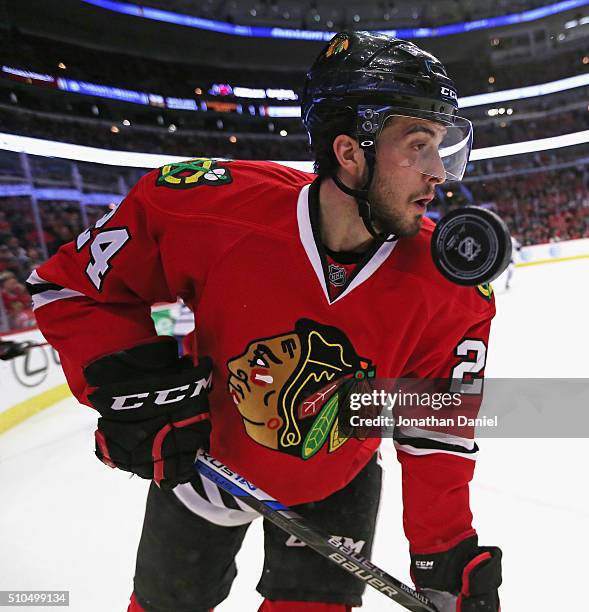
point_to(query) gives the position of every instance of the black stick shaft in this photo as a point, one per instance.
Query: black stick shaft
(294, 524)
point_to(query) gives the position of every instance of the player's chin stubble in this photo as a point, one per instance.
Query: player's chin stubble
(391, 216)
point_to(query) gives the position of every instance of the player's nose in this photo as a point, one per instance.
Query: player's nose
(437, 172)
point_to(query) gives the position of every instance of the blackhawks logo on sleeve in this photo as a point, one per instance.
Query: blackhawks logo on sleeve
(289, 388)
(194, 172)
(485, 290)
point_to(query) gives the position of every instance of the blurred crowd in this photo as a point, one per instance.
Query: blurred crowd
(180, 141)
(539, 207)
(505, 130)
(543, 197)
(186, 141)
(133, 127)
(18, 255)
(369, 16)
(175, 79)
(21, 249)
(538, 204)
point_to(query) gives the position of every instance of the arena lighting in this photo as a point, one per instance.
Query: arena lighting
(69, 195)
(283, 111)
(138, 97)
(63, 150)
(294, 34)
(28, 74)
(508, 95)
(181, 104)
(530, 146)
(576, 22)
(103, 91)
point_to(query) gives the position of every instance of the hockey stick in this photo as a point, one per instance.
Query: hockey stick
(294, 524)
(10, 349)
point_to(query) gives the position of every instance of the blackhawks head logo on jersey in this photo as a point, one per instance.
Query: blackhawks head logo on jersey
(287, 388)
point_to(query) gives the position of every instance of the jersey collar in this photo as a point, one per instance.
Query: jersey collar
(307, 216)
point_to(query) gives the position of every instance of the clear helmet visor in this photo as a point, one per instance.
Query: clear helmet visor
(432, 143)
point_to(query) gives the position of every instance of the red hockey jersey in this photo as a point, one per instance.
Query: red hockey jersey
(238, 242)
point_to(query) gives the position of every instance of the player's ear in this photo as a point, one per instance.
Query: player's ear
(350, 158)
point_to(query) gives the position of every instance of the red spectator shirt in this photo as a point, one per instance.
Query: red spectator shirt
(238, 242)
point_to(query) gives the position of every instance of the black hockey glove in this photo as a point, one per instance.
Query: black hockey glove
(154, 411)
(465, 578)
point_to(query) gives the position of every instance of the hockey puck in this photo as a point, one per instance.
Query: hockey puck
(471, 246)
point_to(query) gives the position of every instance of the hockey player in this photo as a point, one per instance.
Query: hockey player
(516, 247)
(296, 280)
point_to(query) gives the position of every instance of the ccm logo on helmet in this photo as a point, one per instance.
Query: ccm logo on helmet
(446, 91)
(163, 397)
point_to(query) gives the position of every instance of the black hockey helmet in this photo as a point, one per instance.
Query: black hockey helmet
(375, 77)
(364, 67)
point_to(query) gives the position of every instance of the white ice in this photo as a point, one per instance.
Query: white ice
(67, 522)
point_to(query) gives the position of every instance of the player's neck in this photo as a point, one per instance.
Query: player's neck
(342, 228)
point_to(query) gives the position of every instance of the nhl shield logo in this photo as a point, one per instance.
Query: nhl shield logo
(337, 275)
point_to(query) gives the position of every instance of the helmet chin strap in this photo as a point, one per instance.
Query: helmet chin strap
(362, 201)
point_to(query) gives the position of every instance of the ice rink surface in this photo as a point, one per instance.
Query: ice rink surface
(69, 523)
